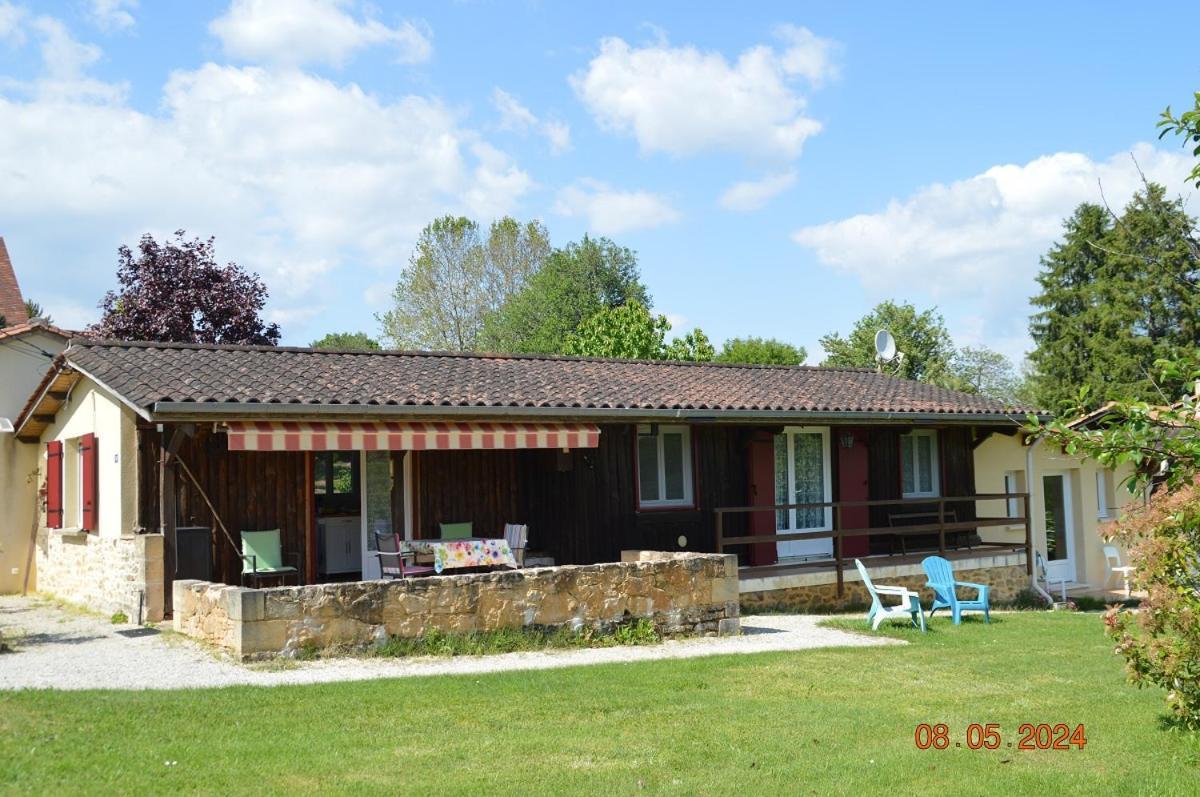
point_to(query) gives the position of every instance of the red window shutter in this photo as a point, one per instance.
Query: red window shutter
(88, 482)
(54, 491)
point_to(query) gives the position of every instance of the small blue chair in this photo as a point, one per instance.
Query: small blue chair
(940, 579)
(909, 607)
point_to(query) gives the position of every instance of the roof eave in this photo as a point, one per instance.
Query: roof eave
(166, 411)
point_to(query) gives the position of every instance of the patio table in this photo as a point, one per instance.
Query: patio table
(469, 552)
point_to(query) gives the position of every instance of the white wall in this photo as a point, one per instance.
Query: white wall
(21, 370)
(1000, 454)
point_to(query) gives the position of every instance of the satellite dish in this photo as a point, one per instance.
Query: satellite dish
(885, 345)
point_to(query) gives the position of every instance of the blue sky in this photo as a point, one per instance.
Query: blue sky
(778, 167)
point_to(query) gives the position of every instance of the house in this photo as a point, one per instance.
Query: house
(150, 449)
(1070, 500)
(27, 348)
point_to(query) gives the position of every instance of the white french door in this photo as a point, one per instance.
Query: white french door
(378, 480)
(802, 476)
(1060, 527)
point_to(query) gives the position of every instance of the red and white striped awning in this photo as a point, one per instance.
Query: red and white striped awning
(347, 436)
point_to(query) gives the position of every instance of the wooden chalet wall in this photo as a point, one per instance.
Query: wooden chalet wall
(250, 490)
(580, 506)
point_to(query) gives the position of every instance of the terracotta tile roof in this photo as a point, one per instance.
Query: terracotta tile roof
(12, 305)
(17, 330)
(146, 373)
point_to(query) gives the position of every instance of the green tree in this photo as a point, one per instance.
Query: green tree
(631, 331)
(573, 284)
(35, 310)
(1117, 294)
(921, 336)
(761, 351)
(1065, 328)
(1187, 127)
(978, 369)
(455, 281)
(347, 341)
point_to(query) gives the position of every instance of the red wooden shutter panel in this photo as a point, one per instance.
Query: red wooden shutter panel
(54, 492)
(88, 481)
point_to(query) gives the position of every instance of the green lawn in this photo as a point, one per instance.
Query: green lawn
(819, 722)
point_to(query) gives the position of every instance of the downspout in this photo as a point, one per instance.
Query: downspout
(1029, 482)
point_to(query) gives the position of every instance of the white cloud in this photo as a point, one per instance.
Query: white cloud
(987, 230)
(682, 100)
(296, 175)
(609, 211)
(750, 195)
(296, 32)
(11, 17)
(516, 117)
(113, 14)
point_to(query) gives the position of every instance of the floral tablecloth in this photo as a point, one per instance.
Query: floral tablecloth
(475, 552)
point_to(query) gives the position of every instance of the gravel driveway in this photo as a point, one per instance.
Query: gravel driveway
(67, 649)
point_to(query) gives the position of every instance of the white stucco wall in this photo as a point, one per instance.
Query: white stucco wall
(1001, 454)
(22, 367)
(112, 568)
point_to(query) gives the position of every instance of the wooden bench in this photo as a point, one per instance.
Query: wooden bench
(954, 539)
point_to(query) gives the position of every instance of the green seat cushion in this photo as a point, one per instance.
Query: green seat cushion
(266, 549)
(455, 531)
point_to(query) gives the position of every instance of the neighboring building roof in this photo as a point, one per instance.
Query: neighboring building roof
(174, 379)
(35, 325)
(12, 304)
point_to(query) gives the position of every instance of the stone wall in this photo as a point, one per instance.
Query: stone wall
(105, 574)
(679, 593)
(820, 593)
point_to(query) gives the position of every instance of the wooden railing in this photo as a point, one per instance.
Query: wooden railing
(838, 533)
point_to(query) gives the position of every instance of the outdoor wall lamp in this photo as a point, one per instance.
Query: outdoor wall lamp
(847, 439)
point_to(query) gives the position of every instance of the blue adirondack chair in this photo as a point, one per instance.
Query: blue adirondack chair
(940, 579)
(910, 602)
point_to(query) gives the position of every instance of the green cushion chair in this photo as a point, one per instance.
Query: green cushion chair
(262, 557)
(455, 531)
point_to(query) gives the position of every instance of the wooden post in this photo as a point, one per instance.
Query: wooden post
(1028, 537)
(310, 525)
(837, 549)
(720, 531)
(942, 526)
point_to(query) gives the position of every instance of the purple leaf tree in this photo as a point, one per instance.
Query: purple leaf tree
(176, 292)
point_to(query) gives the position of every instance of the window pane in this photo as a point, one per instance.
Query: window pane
(907, 466)
(781, 481)
(809, 464)
(379, 495)
(673, 464)
(925, 463)
(648, 467)
(343, 474)
(1056, 518)
(320, 462)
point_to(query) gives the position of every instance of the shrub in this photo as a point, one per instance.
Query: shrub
(1029, 598)
(1161, 641)
(119, 618)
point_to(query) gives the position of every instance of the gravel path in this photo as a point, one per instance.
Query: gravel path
(66, 649)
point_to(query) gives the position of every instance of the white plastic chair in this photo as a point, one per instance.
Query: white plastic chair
(909, 608)
(516, 536)
(1112, 557)
(1041, 571)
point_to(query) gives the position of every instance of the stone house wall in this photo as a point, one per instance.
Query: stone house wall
(105, 574)
(679, 593)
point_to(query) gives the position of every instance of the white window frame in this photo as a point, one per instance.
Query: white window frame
(934, 464)
(1104, 508)
(688, 500)
(790, 433)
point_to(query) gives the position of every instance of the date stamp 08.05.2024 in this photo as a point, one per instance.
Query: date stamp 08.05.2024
(988, 736)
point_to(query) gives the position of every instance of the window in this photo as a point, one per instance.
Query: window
(919, 464)
(1014, 482)
(336, 482)
(664, 464)
(802, 476)
(1105, 500)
